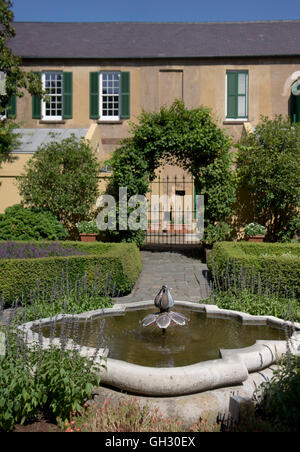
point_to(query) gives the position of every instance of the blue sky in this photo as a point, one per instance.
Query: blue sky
(155, 10)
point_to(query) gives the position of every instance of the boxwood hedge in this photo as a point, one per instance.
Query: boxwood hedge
(277, 263)
(121, 261)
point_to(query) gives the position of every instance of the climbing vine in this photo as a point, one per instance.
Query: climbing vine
(186, 138)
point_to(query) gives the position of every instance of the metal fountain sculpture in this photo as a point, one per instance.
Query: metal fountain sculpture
(164, 318)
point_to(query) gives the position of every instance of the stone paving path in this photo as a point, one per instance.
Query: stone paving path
(183, 271)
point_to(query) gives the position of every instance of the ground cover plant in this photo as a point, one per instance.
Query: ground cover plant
(32, 380)
(279, 398)
(129, 416)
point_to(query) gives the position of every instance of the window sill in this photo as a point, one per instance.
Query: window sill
(111, 121)
(235, 121)
(51, 121)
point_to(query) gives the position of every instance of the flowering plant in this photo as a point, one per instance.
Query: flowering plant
(254, 229)
(31, 250)
(88, 227)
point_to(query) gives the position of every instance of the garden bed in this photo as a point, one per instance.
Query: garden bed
(276, 264)
(118, 262)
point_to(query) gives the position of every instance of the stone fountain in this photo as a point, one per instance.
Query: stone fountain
(164, 318)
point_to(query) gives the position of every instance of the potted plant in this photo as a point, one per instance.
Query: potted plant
(255, 232)
(88, 231)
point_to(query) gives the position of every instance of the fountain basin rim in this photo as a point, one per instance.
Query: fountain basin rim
(232, 368)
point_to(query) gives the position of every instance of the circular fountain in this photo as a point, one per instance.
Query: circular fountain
(171, 353)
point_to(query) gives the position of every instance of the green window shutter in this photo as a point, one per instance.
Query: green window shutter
(94, 95)
(232, 94)
(37, 104)
(67, 95)
(11, 108)
(125, 95)
(297, 108)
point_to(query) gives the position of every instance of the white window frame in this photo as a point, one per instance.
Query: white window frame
(102, 96)
(239, 118)
(46, 117)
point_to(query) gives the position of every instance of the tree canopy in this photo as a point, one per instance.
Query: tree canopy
(62, 177)
(14, 81)
(268, 166)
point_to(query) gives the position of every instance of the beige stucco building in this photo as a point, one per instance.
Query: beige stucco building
(101, 76)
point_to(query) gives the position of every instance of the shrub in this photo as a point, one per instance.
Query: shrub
(56, 381)
(117, 264)
(279, 398)
(268, 166)
(274, 264)
(19, 223)
(62, 177)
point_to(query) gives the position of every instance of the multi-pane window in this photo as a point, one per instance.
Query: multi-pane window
(237, 94)
(110, 95)
(52, 84)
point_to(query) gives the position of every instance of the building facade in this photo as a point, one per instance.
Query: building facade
(101, 76)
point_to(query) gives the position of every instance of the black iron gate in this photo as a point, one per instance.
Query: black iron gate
(172, 212)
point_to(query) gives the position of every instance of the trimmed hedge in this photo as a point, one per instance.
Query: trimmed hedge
(276, 263)
(118, 262)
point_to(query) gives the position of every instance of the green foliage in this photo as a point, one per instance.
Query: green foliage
(10, 64)
(188, 138)
(67, 379)
(9, 140)
(62, 177)
(121, 263)
(268, 165)
(31, 381)
(276, 264)
(88, 227)
(280, 397)
(19, 223)
(129, 416)
(216, 232)
(252, 229)
(70, 303)
(291, 231)
(254, 304)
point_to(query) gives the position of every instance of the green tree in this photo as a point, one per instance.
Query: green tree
(16, 80)
(187, 138)
(268, 165)
(62, 177)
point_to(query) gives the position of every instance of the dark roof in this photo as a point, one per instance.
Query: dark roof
(155, 40)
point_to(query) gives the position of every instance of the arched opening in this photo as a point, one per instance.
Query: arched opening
(189, 140)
